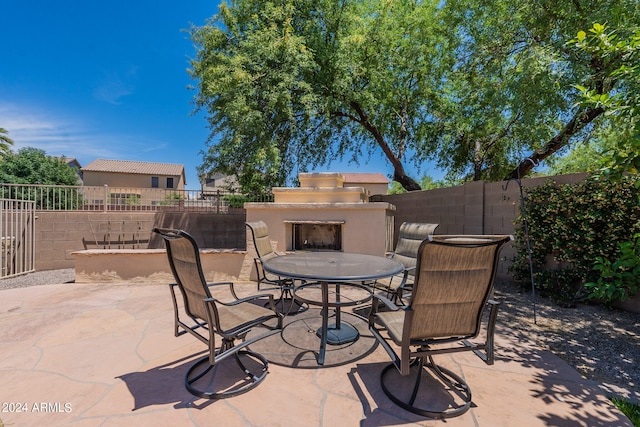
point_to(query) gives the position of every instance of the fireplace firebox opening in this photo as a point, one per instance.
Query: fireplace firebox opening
(317, 235)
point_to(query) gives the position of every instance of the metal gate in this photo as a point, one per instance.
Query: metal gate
(17, 230)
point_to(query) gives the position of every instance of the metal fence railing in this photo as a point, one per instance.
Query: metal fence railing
(17, 231)
(106, 198)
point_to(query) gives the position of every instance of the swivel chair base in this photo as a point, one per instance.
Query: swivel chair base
(218, 377)
(446, 393)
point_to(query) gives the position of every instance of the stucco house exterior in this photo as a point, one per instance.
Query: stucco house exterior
(215, 181)
(133, 181)
(74, 164)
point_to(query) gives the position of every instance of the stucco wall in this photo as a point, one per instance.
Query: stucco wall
(151, 266)
(364, 228)
(135, 181)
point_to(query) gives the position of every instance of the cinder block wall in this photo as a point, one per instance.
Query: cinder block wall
(58, 234)
(473, 208)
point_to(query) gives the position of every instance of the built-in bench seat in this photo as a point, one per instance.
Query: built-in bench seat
(151, 265)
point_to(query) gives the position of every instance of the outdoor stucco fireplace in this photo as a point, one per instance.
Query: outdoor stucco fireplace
(323, 214)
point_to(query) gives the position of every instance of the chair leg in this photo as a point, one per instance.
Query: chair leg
(446, 393)
(223, 382)
(287, 302)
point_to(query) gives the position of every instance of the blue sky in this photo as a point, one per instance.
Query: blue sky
(108, 80)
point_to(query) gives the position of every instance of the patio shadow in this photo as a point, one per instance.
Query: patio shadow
(297, 346)
(163, 385)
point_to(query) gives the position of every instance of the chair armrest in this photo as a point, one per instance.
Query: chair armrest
(374, 307)
(219, 284)
(213, 302)
(491, 327)
(241, 300)
(387, 302)
(230, 284)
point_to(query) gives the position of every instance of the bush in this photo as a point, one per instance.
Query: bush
(619, 279)
(237, 200)
(572, 228)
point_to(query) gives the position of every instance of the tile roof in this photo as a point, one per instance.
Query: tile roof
(131, 166)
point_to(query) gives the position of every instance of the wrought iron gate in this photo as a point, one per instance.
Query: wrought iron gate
(17, 230)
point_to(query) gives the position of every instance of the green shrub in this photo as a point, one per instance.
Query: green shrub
(575, 227)
(619, 279)
(237, 200)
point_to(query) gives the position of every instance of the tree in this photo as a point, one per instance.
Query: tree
(426, 183)
(584, 157)
(5, 143)
(512, 93)
(32, 166)
(471, 84)
(620, 49)
(288, 84)
(591, 155)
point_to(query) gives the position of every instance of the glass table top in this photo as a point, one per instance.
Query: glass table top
(332, 266)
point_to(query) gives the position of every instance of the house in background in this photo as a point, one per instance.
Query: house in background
(134, 182)
(129, 173)
(214, 181)
(74, 164)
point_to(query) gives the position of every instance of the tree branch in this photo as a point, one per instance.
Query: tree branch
(577, 123)
(362, 119)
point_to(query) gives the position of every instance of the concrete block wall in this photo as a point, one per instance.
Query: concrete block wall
(473, 208)
(213, 231)
(58, 234)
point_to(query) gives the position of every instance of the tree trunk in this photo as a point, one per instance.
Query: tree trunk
(399, 174)
(578, 122)
(407, 182)
(477, 161)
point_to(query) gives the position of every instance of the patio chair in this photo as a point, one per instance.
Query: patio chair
(410, 236)
(231, 321)
(264, 252)
(453, 284)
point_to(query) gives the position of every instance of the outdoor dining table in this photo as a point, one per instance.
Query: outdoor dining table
(332, 269)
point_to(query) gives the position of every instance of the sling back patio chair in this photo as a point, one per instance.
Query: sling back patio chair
(215, 376)
(264, 251)
(410, 236)
(454, 281)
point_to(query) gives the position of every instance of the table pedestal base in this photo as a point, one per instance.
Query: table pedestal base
(339, 335)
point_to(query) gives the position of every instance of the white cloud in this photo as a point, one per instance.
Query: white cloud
(56, 135)
(63, 133)
(115, 86)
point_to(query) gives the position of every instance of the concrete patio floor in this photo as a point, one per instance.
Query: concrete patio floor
(105, 355)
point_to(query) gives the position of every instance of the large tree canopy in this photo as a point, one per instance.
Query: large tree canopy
(290, 84)
(473, 85)
(511, 95)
